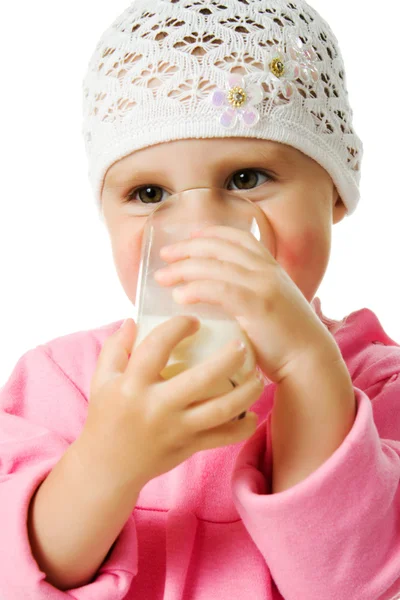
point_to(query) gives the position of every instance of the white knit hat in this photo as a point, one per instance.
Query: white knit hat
(175, 69)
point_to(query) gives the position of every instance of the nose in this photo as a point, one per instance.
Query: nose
(199, 207)
(205, 206)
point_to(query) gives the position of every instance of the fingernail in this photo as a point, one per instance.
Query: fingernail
(241, 346)
(260, 376)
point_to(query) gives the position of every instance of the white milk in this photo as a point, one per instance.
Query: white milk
(211, 336)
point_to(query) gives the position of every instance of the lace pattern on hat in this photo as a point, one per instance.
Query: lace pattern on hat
(180, 57)
(161, 62)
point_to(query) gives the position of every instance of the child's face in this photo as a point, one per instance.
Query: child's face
(295, 193)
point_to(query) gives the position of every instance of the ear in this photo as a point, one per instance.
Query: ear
(339, 210)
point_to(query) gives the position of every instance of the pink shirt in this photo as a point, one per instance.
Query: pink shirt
(210, 528)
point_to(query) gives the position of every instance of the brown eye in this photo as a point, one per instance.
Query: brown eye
(247, 179)
(149, 194)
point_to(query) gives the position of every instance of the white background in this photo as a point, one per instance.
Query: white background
(57, 272)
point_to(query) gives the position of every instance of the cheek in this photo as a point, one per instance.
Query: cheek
(305, 259)
(126, 254)
(301, 250)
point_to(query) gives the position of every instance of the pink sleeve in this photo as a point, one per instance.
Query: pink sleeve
(335, 534)
(41, 413)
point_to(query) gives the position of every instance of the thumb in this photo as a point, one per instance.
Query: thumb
(116, 351)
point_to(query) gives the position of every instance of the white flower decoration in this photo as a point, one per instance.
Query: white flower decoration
(238, 101)
(284, 68)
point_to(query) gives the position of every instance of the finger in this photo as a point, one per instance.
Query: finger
(242, 414)
(195, 383)
(236, 236)
(218, 411)
(115, 352)
(220, 249)
(224, 435)
(152, 354)
(233, 299)
(192, 269)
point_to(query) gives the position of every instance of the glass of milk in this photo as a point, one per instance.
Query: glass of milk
(174, 220)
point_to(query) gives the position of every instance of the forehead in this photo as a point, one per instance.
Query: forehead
(205, 152)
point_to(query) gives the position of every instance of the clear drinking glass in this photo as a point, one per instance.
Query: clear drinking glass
(174, 220)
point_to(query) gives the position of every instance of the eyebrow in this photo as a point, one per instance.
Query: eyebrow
(275, 155)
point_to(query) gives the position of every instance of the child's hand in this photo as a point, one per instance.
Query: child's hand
(230, 268)
(142, 426)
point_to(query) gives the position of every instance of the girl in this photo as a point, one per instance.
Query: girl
(116, 484)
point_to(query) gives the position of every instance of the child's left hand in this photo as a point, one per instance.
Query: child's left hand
(229, 267)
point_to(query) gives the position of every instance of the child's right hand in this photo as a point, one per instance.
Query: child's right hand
(140, 425)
